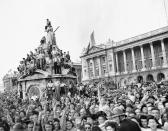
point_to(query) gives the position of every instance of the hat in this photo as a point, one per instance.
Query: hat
(117, 112)
(93, 116)
(129, 125)
(101, 113)
(18, 127)
(121, 101)
(151, 97)
(12, 107)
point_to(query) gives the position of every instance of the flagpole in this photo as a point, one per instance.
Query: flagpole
(164, 3)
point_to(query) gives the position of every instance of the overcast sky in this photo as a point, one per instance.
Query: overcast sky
(22, 24)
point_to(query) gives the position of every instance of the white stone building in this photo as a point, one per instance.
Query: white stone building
(140, 58)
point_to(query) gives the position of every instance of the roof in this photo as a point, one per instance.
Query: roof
(101, 46)
(143, 36)
(77, 63)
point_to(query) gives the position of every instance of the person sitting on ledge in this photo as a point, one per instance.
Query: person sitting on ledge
(67, 56)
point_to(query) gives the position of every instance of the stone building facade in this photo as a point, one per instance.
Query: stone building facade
(137, 59)
(10, 81)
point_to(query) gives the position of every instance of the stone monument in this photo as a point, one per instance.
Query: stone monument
(48, 63)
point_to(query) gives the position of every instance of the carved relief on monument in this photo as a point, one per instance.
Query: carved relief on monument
(33, 91)
(35, 76)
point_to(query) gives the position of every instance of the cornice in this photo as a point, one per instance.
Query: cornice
(140, 43)
(101, 49)
(143, 36)
(97, 54)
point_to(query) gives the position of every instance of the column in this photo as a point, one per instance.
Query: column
(142, 58)
(117, 69)
(133, 60)
(24, 90)
(164, 54)
(93, 66)
(107, 65)
(125, 62)
(153, 56)
(85, 69)
(99, 62)
(113, 63)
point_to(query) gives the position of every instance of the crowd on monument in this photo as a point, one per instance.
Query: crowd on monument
(89, 107)
(47, 56)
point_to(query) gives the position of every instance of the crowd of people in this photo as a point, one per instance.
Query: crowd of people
(90, 107)
(47, 56)
(95, 106)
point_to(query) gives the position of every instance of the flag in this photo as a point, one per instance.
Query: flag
(92, 39)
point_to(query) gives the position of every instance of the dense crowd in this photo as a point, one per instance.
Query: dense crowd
(96, 106)
(89, 107)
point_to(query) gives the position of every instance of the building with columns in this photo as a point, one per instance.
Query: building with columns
(137, 59)
(10, 81)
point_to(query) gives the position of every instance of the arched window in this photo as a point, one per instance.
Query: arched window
(149, 78)
(160, 77)
(140, 79)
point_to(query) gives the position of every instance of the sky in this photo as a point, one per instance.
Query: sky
(22, 24)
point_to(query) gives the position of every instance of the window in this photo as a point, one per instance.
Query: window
(104, 70)
(109, 58)
(90, 70)
(110, 66)
(104, 60)
(85, 72)
(148, 63)
(84, 63)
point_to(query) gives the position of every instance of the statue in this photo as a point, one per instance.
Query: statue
(43, 44)
(50, 39)
(48, 24)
